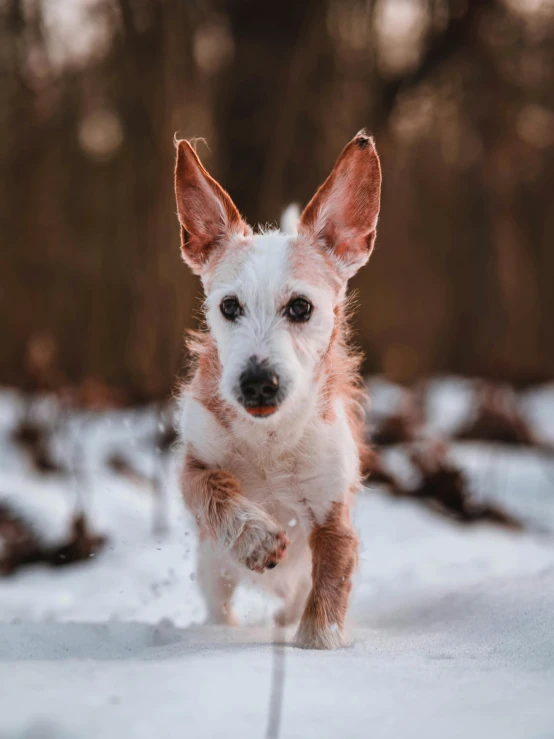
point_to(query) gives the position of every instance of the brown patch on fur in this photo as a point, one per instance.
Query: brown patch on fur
(334, 547)
(210, 493)
(255, 539)
(205, 375)
(340, 370)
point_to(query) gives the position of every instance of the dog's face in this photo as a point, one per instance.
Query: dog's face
(272, 321)
(272, 298)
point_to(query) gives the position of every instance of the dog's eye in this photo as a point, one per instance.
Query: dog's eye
(231, 309)
(299, 309)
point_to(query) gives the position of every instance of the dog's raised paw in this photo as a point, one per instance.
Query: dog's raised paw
(261, 547)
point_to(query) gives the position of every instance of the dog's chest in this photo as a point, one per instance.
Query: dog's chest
(267, 478)
(300, 482)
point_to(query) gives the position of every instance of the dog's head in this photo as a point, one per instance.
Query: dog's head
(272, 299)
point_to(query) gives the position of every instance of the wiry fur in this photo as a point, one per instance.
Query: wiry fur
(272, 495)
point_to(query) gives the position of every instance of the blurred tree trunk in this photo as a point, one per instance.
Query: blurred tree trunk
(270, 103)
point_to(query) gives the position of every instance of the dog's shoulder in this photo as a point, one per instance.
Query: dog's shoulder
(200, 429)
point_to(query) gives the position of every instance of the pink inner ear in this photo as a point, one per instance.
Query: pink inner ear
(206, 212)
(344, 210)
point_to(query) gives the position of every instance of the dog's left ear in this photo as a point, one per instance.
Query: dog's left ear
(206, 212)
(343, 213)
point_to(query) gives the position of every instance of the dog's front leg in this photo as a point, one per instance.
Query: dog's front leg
(334, 547)
(253, 538)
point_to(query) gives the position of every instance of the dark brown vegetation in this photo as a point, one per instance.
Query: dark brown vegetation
(401, 426)
(21, 545)
(493, 417)
(442, 487)
(34, 438)
(497, 418)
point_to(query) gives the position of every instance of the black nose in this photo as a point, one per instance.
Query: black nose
(259, 384)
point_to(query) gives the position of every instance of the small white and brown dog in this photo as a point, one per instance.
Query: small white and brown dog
(270, 421)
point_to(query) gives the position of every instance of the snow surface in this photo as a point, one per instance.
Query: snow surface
(452, 627)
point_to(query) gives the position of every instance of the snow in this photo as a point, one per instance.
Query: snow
(452, 627)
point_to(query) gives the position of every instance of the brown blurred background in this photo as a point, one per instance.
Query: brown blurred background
(459, 95)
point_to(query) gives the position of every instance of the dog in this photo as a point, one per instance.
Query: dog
(271, 421)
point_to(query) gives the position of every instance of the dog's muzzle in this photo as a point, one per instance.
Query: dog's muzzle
(260, 389)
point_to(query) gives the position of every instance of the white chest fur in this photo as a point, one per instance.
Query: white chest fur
(295, 472)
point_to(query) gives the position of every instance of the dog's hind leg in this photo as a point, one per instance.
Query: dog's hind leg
(217, 583)
(293, 605)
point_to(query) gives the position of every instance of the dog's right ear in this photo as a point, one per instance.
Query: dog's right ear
(206, 212)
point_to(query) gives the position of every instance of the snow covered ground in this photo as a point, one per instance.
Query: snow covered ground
(452, 627)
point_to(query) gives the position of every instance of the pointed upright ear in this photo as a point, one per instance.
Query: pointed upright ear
(206, 212)
(342, 215)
